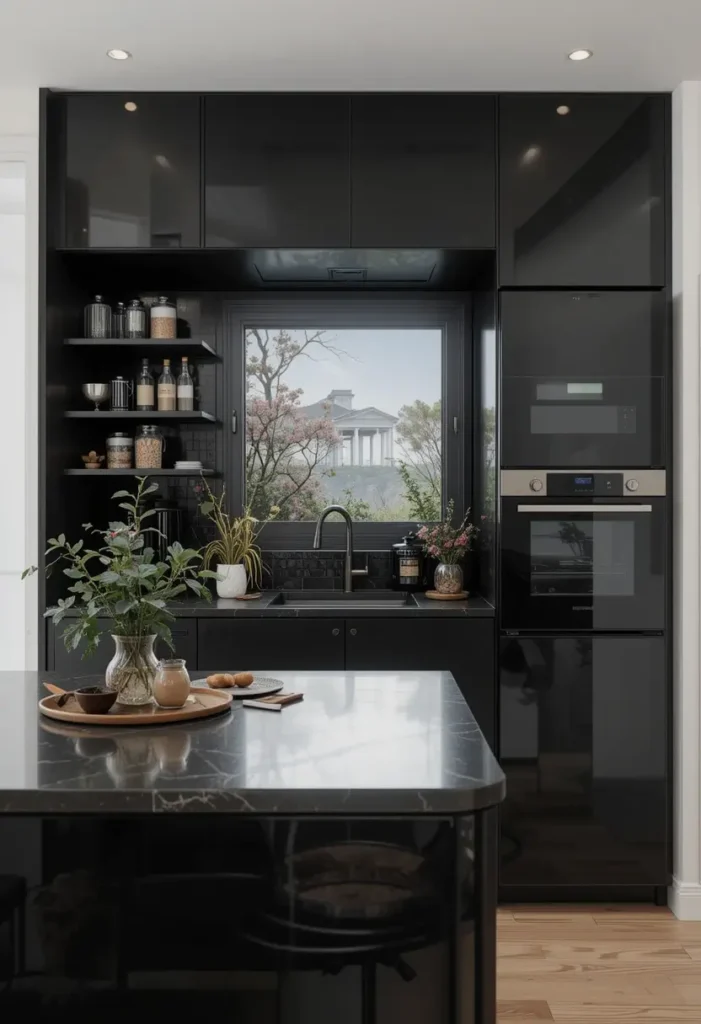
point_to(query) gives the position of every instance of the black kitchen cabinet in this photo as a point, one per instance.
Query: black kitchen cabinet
(423, 170)
(582, 190)
(463, 647)
(276, 170)
(276, 644)
(584, 746)
(132, 175)
(72, 663)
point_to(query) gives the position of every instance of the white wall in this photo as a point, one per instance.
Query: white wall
(19, 129)
(685, 894)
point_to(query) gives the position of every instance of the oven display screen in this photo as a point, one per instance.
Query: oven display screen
(584, 481)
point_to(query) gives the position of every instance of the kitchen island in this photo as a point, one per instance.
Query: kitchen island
(346, 845)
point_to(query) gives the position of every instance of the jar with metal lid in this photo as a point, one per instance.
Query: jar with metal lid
(98, 319)
(164, 318)
(120, 451)
(408, 564)
(135, 320)
(119, 315)
(149, 447)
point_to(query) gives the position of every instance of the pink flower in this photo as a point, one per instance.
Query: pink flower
(433, 550)
(462, 540)
(422, 533)
(448, 544)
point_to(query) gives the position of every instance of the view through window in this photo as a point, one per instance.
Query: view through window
(347, 416)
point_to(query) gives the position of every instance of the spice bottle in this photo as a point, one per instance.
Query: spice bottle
(149, 446)
(119, 321)
(135, 320)
(98, 319)
(163, 318)
(145, 391)
(186, 387)
(120, 448)
(166, 389)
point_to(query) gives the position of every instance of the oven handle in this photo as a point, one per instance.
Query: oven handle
(584, 508)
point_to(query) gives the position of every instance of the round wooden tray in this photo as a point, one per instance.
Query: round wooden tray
(200, 704)
(433, 595)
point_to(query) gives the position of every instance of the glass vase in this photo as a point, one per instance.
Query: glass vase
(132, 669)
(447, 579)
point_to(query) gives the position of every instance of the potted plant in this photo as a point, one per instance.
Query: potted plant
(121, 580)
(449, 544)
(235, 551)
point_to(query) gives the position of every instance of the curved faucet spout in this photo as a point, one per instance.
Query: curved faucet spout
(348, 571)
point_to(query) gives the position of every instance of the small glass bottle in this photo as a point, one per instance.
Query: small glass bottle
(119, 321)
(186, 387)
(135, 320)
(163, 318)
(98, 319)
(166, 389)
(145, 393)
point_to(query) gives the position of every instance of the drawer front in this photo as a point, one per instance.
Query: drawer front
(260, 644)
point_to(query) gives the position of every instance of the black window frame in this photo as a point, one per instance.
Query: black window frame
(451, 313)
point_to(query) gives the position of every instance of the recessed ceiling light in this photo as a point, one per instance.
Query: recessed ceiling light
(563, 109)
(119, 54)
(580, 54)
(130, 106)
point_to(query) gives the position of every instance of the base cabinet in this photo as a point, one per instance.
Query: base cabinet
(464, 647)
(281, 644)
(584, 746)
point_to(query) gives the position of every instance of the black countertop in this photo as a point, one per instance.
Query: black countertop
(359, 743)
(335, 605)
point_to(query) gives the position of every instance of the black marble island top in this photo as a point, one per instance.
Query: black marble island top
(360, 743)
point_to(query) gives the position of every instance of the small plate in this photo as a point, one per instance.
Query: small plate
(260, 687)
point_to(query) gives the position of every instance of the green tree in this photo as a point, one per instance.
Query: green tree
(419, 439)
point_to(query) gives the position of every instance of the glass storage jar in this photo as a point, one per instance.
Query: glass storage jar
(120, 451)
(98, 319)
(119, 316)
(163, 318)
(135, 320)
(149, 447)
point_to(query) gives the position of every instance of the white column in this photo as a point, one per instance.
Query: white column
(377, 455)
(390, 446)
(383, 448)
(360, 448)
(355, 457)
(685, 893)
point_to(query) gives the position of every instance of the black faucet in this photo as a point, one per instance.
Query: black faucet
(348, 572)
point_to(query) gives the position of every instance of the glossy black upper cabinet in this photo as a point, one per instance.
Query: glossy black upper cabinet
(582, 192)
(132, 175)
(276, 171)
(423, 170)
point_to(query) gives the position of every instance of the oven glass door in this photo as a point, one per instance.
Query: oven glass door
(599, 565)
(578, 421)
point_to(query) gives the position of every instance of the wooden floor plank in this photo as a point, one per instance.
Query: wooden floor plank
(600, 988)
(570, 1013)
(521, 1011)
(588, 952)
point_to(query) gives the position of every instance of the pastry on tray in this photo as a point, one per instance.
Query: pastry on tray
(225, 679)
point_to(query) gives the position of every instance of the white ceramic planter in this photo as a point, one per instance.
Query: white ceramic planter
(233, 582)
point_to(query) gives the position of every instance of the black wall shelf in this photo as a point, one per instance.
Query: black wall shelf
(97, 473)
(198, 416)
(190, 347)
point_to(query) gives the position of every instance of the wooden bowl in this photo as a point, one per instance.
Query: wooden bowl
(94, 700)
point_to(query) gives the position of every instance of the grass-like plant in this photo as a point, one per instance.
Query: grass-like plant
(237, 540)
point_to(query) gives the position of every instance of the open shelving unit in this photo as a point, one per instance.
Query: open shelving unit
(199, 350)
(145, 416)
(98, 473)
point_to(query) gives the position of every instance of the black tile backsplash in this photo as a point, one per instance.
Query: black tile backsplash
(323, 570)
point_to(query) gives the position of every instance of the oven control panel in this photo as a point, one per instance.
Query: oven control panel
(575, 485)
(583, 483)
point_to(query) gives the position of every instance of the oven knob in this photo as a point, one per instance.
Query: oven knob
(536, 484)
(632, 485)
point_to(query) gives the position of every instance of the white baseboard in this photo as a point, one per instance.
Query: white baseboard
(684, 900)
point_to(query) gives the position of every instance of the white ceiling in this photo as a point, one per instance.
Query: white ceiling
(350, 44)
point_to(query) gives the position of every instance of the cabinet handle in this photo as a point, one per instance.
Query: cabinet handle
(354, 632)
(335, 632)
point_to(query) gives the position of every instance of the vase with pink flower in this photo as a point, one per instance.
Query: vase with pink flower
(449, 545)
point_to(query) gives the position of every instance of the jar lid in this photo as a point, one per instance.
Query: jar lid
(409, 541)
(120, 305)
(136, 304)
(98, 298)
(163, 301)
(148, 428)
(119, 434)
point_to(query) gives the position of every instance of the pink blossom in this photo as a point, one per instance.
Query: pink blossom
(462, 540)
(422, 533)
(433, 550)
(448, 544)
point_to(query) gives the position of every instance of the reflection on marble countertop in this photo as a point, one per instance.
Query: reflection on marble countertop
(359, 743)
(419, 606)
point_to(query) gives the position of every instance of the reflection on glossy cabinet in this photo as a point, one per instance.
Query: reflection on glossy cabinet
(423, 170)
(582, 181)
(276, 170)
(276, 644)
(132, 175)
(584, 745)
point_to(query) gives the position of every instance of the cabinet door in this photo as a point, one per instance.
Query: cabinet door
(276, 170)
(583, 741)
(132, 176)
(72, 663)
(292, 644)
(463, 647)
(582, 193)
(423, 170)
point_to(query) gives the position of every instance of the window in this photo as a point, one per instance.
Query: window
(349, 402)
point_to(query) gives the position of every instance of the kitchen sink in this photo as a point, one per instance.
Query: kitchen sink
(336, 599)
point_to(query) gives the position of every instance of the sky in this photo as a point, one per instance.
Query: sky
(385, 368)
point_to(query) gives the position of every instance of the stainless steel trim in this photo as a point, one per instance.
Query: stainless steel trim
(516, 483)
(584, 508)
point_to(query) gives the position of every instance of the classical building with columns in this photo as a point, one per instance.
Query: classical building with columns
(367, 435)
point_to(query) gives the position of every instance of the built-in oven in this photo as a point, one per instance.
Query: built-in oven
(583, 378)
(583, 550)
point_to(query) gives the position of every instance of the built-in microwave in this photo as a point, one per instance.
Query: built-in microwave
(583, 379)
(583, 550)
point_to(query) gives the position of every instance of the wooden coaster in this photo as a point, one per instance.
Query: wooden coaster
(435, 596)
(248, 597)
